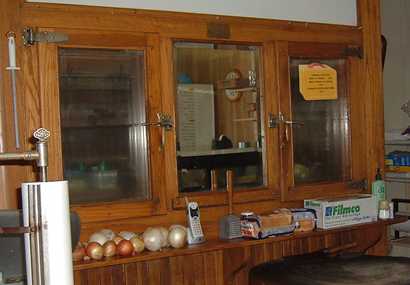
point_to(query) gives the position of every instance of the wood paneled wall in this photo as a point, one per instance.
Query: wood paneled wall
(224, 266)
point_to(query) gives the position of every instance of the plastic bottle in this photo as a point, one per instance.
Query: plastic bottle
(378, 187)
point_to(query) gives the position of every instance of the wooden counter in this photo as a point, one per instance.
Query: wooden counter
(228, 262)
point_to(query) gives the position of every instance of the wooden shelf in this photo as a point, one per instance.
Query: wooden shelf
(234, 84)
(398, 142)
(218, 151)
(213, 245)
(400, 177)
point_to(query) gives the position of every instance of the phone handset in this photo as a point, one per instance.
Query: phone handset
(195, 234)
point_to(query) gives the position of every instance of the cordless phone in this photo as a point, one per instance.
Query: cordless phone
(195, 234)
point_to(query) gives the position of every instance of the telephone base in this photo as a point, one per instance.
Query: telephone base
(195, 240)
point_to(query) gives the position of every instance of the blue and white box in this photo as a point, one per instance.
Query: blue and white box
(344, 211)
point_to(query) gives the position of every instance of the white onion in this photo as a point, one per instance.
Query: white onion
(177, 226)
(164, 234)
(177, 236)
(126, 235)
(98, 237)
(109, 234)
(152, 239)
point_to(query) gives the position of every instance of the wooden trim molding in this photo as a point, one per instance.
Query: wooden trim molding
(372, 90)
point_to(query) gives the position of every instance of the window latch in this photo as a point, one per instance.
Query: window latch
(275, 120)
(164, 122)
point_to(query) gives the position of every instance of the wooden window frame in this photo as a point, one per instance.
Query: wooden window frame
(271, 190)
(357, 170)
(50, 118)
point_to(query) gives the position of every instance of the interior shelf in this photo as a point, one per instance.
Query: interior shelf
(398, 142)
(218, 151)
(400, 177)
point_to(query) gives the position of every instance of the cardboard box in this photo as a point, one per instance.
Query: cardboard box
(344, 211)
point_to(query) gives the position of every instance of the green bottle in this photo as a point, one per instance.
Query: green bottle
(378, 187)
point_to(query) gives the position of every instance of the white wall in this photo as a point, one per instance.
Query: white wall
(396, 28)
(320, 11)
(395, 17)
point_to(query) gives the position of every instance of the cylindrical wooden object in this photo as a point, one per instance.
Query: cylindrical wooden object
(214, 181)
(229, 189)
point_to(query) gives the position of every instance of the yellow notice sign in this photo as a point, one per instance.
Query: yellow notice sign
(317, 82)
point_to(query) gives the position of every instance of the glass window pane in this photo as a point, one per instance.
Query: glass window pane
(219, 110)
(322, 145)
(102, 97)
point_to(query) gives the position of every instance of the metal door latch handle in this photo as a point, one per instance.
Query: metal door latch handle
(294, 123)
(164, 121)
(274, 121)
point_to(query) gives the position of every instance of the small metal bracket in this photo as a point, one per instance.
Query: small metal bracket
(356, 51)
(164, 121)
(358, 184)
(30, 37)
(274, 120)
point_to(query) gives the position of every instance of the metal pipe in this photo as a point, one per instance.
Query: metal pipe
(29, 155)
(42, 174)
(40, 155)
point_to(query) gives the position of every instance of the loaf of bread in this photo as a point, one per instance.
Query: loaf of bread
(279, 218)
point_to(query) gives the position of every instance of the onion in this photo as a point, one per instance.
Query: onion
(164, 234)
(109, 234)
(95, 250)
(79, 252)
(110, 248)
(126, 235)
(117, 239)
(138, 244)
(152, 239)
(125, 248)
(177, 236)
(98, 237)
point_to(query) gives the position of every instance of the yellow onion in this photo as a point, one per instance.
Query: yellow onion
(95, 250)
(138, 244)
(110, 248)
(125, 248)
(79, 252)
(117, 239)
